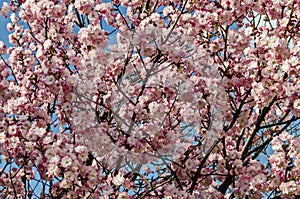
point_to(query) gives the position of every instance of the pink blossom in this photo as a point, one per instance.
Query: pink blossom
(118, 180)
(5, 9)
(2, 47)
(150, 99)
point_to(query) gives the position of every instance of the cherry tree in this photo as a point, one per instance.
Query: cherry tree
(150, 99)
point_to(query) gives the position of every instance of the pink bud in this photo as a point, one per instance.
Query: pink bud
(5, 9)
(2, 48)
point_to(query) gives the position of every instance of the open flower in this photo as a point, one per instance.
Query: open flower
(297, 104)
(49, 79)
(66, 161)
(118, 180)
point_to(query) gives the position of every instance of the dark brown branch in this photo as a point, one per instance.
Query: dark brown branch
(198, 172)
(256, 128)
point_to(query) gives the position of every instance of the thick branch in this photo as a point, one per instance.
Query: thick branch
(256, 128)
(198, 172)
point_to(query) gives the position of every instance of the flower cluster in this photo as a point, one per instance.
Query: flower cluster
(150, 99)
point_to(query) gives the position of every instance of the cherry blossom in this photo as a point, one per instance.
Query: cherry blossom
(5, 9)
(150, 99)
